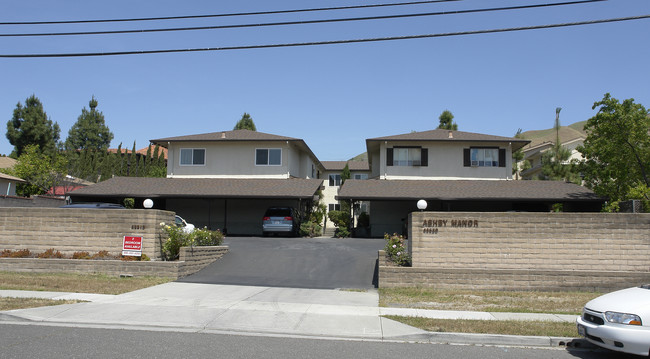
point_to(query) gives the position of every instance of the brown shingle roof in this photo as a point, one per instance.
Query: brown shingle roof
(11, 178)
(7, 162)
(235, 135)
(201, 187)
(451, 136)
(352, 165)
(464, 190)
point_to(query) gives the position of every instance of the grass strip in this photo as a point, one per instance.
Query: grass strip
(24, 303)
(77, 283)
(486, 301)
(506, 327)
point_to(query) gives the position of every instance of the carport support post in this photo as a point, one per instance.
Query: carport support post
(225, 217)
(351, 216)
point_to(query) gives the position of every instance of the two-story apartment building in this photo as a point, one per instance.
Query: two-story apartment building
(223, 180)
(226, 180)
(452, 171)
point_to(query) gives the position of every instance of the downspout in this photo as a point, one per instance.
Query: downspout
(8, 187)
(170, 158)
(288, 167)
(385, 162)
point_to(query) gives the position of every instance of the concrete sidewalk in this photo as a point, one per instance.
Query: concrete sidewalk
(261, 310)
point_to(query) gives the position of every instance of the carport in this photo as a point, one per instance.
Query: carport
(235, 206)
(392, 200)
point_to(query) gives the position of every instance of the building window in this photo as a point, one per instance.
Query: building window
(361, 176)
(192, 156)
(268, 156)
(334, 207)
(335, 180)
(485, 157)
(407, 156)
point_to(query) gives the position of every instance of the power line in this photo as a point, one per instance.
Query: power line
(316, 43)
(383, 17)
(225, 15)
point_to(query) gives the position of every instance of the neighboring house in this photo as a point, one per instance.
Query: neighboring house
(452, 171)
(534, 152)
(332, 175)
(68, 184)
(7, 182)
(223, 180)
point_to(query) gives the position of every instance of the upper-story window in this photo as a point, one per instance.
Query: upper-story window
(361, 176)
(268, 156)
(407, 156)
(192, 156)
(335, 180)
(485, 157)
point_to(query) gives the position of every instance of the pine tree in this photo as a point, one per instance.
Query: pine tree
(246, 123)
(31, 126)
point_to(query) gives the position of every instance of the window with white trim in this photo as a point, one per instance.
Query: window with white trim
(484, 157)
(268, 157)
(192, 157)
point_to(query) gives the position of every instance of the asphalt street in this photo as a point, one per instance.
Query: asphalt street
(318, 263)
(36, 341)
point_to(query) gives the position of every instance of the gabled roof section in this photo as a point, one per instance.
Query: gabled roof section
(11, 178)
(440, 135)
(200, 188)
(235, 135)
(7, 162)
(352, 165)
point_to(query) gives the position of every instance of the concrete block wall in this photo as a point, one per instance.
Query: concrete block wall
(192, 260)
(70, 230)
(602, 242)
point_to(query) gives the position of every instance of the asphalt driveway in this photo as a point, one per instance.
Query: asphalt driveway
(323, 263)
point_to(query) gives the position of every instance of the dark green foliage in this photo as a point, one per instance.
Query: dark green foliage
(90, 131)
(555, 165)
(30, 126)
(446, 121)
(341, 220)
(246, 123)
(617, 149)
(40, 170)
(396, 251)
(517, 157)
(364, 220)
(345, 174)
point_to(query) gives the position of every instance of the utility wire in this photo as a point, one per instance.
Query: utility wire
(383, 17)
(351, 41)
(224, 15)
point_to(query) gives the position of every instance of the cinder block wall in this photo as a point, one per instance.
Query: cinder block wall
(531, 241)
(71, 230)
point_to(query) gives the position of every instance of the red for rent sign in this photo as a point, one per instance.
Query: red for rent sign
(132, 246)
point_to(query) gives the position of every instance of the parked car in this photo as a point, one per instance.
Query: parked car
(619, 321)
(95, 205)
(280, 220)
(180, 222)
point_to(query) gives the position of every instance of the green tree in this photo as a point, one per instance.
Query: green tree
(345, 174)
(30, 126)
(555, 165)
(446, 121)
(517, 157)
(90, 131)
(617, 149)
(40, 170)
(246, 123)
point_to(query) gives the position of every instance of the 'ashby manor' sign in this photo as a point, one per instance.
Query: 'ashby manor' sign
(431, 226)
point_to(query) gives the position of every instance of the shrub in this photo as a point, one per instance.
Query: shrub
(142, 258)
(310, 229)
(81, 255)
(177, 238)
(395, 250)
(341, 220)
(51, 253)
(101, 255)
(5, 253)
(342, 233)
(206, 237)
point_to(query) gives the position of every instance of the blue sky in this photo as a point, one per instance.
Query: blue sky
(333, 96)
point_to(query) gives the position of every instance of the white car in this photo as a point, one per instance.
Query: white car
(187, 227)
(619, 321)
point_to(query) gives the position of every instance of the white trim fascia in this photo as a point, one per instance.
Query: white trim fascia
(280, 176)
